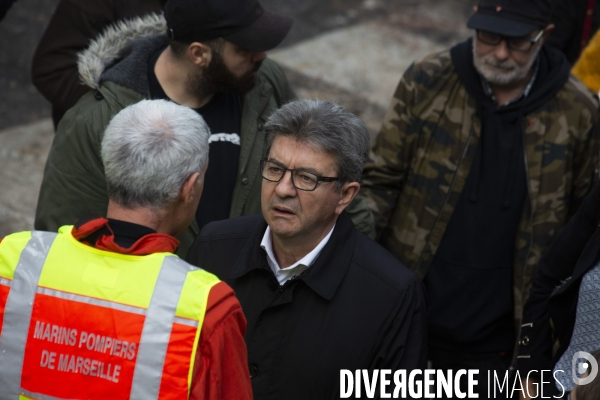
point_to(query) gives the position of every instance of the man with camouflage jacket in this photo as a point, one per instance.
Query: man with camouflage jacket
(485, 152)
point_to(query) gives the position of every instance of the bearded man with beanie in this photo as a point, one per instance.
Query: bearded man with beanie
(486, 151)
(205, 54)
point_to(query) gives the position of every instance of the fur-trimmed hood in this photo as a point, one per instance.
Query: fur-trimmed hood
(110, 45)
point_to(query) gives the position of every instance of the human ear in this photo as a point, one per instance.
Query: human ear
(347, 193)
(200, 54)
(187, 191)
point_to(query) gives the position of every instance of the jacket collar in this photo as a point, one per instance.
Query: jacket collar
(135, 58)
(97, 232)
(329, 269)
(108, 47)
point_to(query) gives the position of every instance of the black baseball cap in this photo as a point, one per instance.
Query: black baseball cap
(511, 17)
(242, 22)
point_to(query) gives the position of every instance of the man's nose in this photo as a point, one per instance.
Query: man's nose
(501, 52)
(285, 187)
(259, 56)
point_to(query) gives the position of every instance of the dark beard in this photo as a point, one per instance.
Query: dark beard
(216, 78)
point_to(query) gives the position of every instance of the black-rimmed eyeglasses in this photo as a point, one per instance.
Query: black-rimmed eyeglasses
(301, 179)
(521, 43)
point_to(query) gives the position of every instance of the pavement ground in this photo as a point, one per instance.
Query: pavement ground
(350, 51)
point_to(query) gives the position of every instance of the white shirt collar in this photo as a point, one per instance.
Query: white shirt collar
(284, 274)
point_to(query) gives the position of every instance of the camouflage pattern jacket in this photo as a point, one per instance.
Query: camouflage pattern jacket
(423, 154)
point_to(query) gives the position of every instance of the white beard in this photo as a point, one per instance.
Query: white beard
(502, 72)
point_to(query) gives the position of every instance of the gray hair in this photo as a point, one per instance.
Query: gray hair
(149, 149)
(328, 127)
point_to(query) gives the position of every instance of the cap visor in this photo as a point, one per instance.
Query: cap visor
(264, 34)
(500, 25)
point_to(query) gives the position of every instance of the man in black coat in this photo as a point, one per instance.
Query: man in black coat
(552, 312)
(319, 296)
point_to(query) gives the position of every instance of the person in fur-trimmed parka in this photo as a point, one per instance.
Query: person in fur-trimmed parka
(217, 68)
(72, 26)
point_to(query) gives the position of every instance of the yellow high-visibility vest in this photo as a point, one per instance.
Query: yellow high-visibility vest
(81, 323)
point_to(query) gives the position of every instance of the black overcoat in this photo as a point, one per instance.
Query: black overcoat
(356, 307)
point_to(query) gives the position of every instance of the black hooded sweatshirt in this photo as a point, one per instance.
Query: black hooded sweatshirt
(470, 281)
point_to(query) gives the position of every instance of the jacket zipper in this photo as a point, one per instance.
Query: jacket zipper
(462, 158)
(265, 101)
(530, 195)
(264, 98)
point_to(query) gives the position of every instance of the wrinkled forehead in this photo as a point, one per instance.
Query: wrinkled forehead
(302, 153)
(283, 143)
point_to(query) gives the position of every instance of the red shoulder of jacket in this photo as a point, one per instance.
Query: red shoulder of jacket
(221, 302)
(221, 364)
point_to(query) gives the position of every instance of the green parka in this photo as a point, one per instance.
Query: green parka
(74, 184)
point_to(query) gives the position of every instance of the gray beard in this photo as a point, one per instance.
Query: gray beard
(514, 73)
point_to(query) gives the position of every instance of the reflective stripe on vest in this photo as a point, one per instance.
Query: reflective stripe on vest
(157, 329)
(133, 335)
(17, 312)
